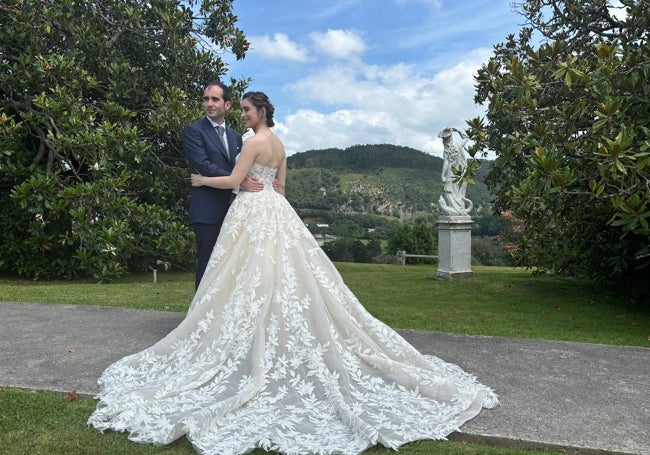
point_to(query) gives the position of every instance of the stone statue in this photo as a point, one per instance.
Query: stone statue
(454, 202)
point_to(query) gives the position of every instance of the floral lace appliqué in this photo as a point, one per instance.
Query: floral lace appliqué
(276, 352)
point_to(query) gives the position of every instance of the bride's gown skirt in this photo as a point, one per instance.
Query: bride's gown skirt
(276, 352)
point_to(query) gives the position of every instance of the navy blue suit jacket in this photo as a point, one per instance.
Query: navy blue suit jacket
(206, 155)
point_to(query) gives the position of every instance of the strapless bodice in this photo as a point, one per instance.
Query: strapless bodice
(264, 174)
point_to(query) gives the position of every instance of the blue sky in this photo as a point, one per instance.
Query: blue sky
(346, 72)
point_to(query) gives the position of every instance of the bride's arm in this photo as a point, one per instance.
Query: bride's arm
(238, 174)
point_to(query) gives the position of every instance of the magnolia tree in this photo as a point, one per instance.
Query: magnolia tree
(568, 116)
(93, 100)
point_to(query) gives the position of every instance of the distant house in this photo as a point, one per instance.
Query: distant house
(321, 239)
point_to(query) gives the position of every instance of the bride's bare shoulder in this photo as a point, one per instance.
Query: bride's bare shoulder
(256, 139)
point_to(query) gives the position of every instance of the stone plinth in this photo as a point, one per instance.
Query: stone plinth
(454, 247)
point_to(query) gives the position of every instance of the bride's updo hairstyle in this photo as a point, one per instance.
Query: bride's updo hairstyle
(260, 100)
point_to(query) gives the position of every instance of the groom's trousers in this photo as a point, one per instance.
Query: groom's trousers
(206, 237)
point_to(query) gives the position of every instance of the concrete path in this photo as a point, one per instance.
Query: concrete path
(583, 398)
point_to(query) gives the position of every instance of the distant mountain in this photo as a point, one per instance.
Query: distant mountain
(366, 157)
(383, 180)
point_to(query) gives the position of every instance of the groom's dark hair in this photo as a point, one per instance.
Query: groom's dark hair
(227, 93)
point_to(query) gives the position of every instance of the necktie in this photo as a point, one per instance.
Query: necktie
(220, 130)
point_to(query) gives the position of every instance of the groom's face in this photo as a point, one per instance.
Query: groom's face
(214, 104)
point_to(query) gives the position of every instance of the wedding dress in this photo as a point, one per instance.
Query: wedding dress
(276, 352)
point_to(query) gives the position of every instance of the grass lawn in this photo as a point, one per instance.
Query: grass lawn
(498, 301)
(42, 423)
(494, 301)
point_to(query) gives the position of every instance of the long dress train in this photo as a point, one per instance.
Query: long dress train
(276, 352)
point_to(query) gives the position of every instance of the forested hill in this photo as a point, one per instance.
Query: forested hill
(365, 157)
(385, 180)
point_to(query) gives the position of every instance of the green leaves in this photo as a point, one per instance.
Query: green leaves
(95, 96)
(633, 213)
(569, 124)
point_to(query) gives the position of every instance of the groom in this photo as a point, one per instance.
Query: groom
(211, 149)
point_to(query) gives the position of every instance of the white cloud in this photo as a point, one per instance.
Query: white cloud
(345, 73)
(278, 47)
(375, 104)
(309, 130)
(339, 44)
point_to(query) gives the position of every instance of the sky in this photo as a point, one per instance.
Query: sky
(353, 72)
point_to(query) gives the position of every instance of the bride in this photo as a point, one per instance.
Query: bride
(275, 351)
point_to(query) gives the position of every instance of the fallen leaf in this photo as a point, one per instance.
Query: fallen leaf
(71, 396)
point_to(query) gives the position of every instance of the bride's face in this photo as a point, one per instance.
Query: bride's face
(251, 116)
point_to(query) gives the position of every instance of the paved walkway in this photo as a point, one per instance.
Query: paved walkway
(584, 398)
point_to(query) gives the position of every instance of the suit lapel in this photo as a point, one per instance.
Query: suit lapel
(232, 146)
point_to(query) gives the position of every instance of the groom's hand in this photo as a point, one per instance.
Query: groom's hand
(251, 184)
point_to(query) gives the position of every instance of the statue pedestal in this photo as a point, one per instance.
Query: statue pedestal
(454, 247)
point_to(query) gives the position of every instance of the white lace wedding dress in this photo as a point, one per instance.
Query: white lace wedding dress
(276, 352)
